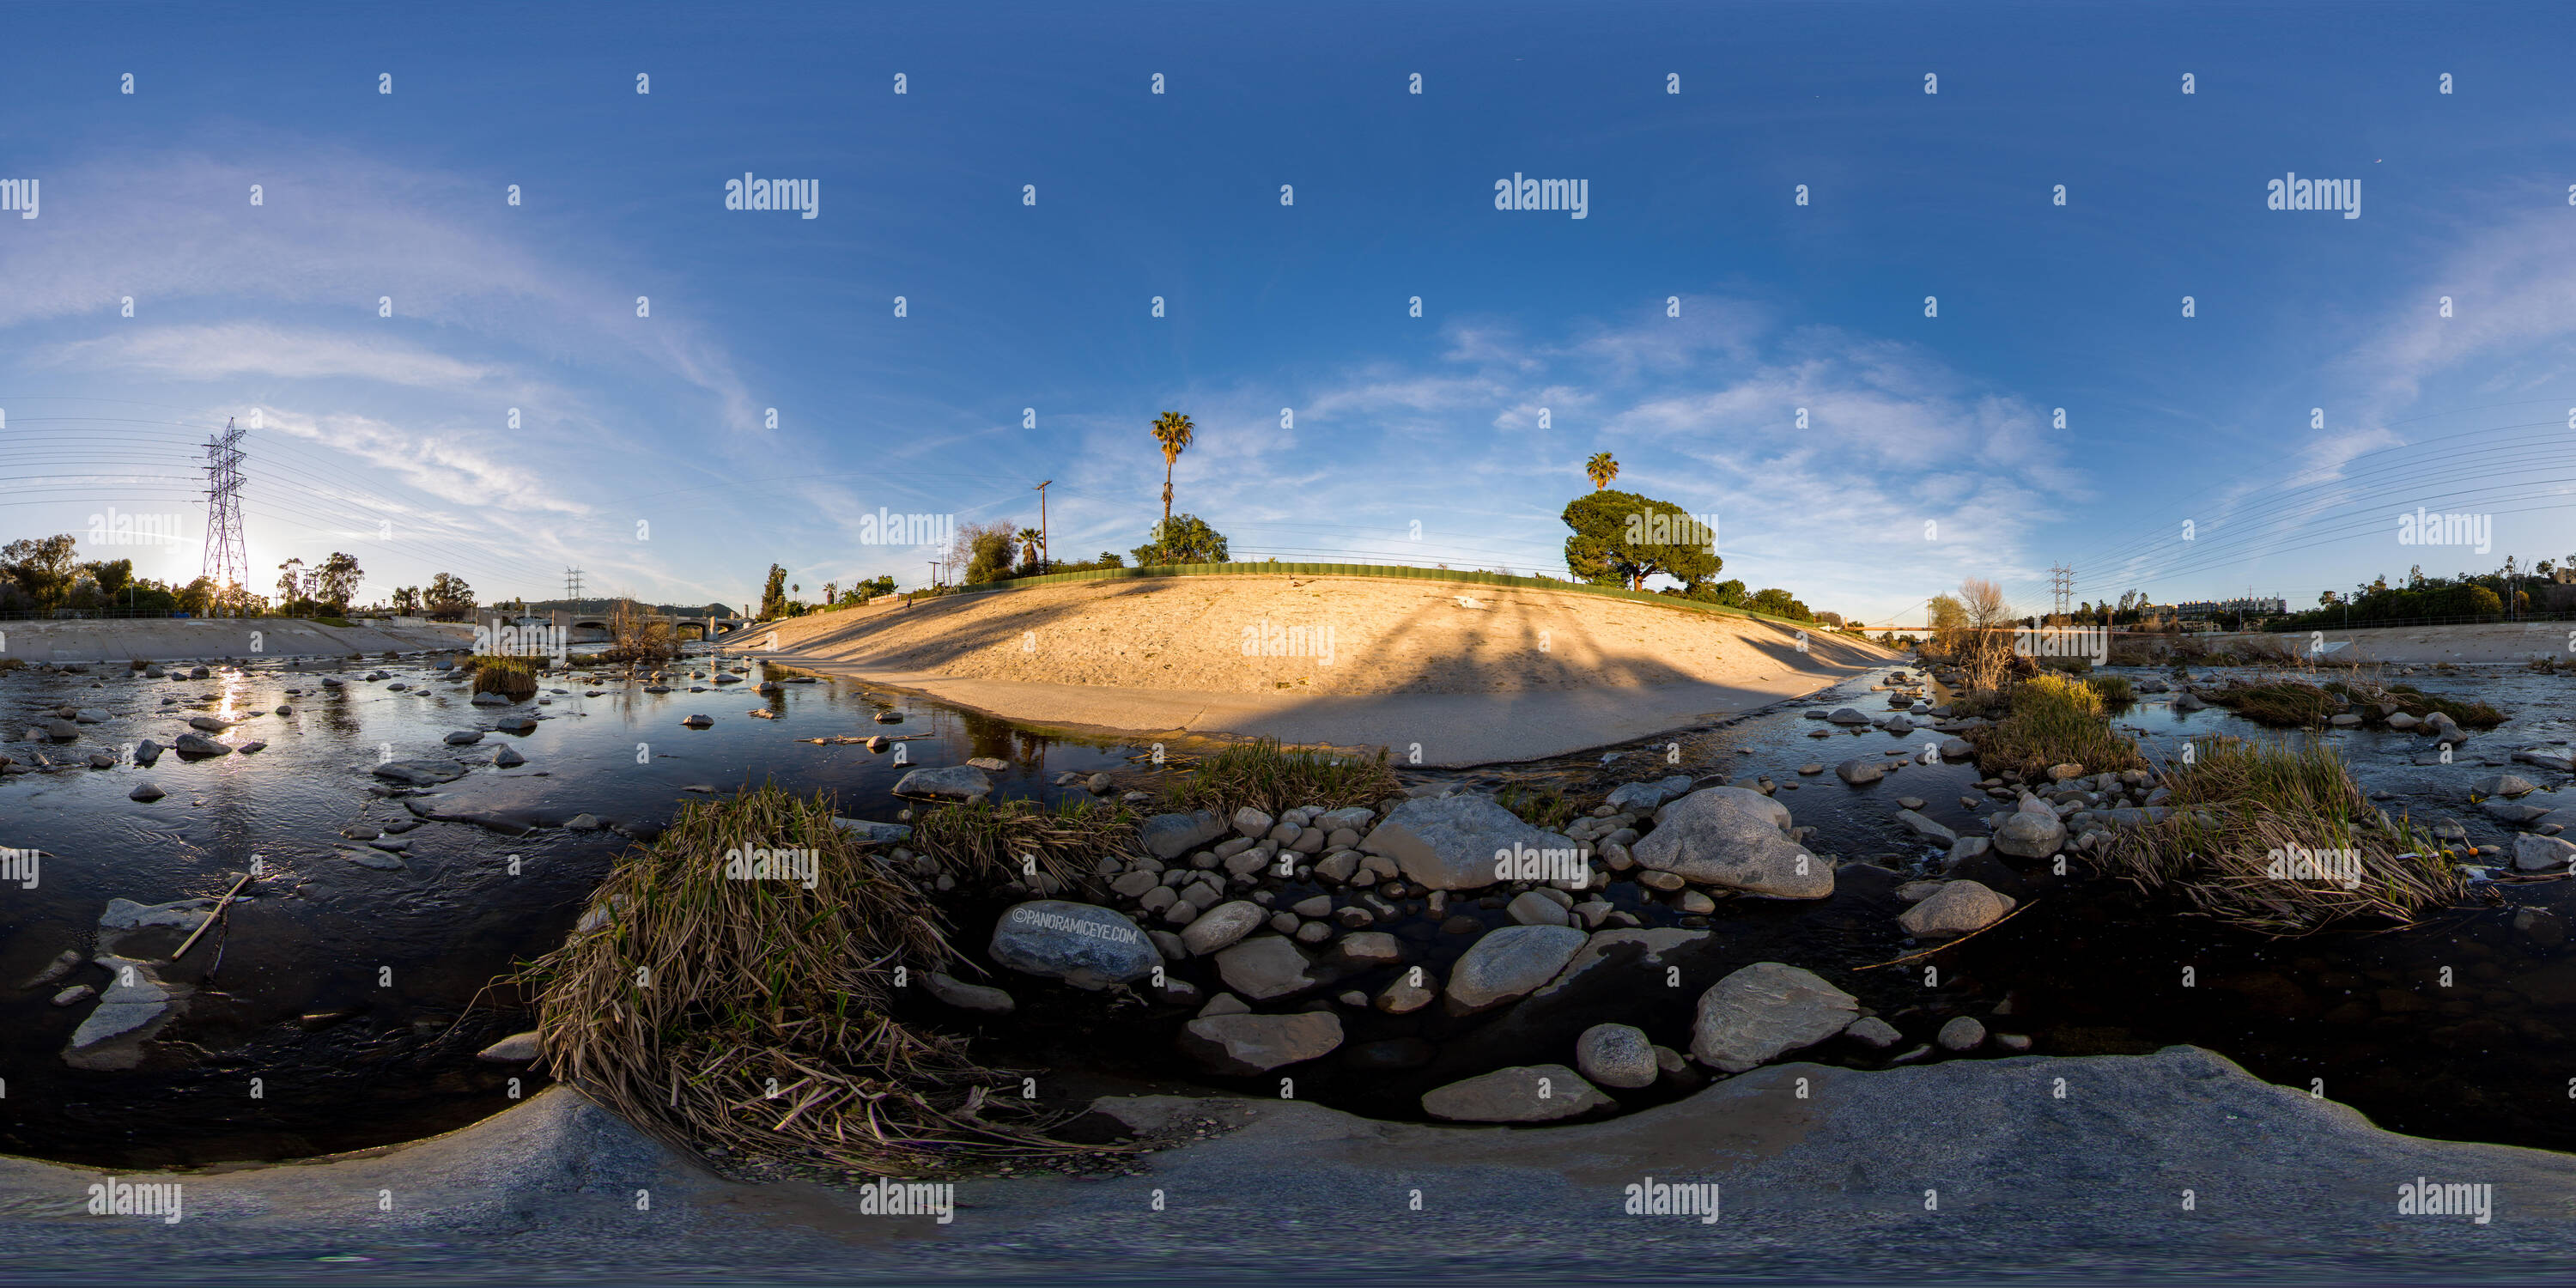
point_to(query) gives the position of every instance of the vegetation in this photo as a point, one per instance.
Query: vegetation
(1172, 431)
(983, 842)
(1181, 539)
(638, 634)
(1271, 778)
(448, 599)
(1621, 538)
(510, 676)
(1601, 469)
(2368, 698)
(756, 1014)
(2419, 596)
(1539, 806)
(2114, 690)
(2054, 721)
(2240, 811)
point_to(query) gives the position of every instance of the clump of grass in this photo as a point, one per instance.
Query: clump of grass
(701, 990)
(13, 664)
(512, 677)
(1271, 778)
(2054, 721)
(2067, 665)
(2419, 704)
(1989, 703)
(2114, 690)
(2239, 805)
(982, 842)
(2283, 704)
(1544, 808)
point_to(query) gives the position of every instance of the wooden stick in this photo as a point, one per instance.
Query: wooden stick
(220, 905)
(1955, 942)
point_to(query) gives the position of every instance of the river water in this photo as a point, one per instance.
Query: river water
(356, 997)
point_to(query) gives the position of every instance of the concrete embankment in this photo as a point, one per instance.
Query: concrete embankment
(1466, 673)
(164, 639)
(2172, 1165)
(2492, 642)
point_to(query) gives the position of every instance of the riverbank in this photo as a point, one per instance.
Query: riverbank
(168, 639)
(2176, 1165)
(2510, 643)
(1459, 673)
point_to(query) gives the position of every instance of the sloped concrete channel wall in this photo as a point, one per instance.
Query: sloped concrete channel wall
(1989, 1168)
(162, 639)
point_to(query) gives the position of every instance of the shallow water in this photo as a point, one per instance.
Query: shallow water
(402, 955)
(390, 1055)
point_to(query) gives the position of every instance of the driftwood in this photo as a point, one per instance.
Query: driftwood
(212, 917)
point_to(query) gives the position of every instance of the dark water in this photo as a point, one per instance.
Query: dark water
(2086, 970)
(403, 956)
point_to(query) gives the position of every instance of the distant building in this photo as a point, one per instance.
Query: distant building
(2197, 610)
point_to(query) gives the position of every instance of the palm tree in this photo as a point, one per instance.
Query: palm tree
(1601, 469)
(1172, 430)
(1029, 544)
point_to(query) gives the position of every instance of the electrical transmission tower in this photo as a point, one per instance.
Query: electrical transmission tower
(227, 562)
(572, 587)
(2061, 587)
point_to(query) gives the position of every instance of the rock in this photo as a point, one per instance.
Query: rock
(380, 860)
(1369, 948)
(518, 1048)
(464, 737)
(209, 724)
(1736, 839)
(2506, 785)
(1962, 1033)
(1524, 1094)
(2559, 761)
(63, 964)
(1958, 750)
(954, 782)
(252, 748)
(1086, 946)
(488, 700)
(697, 721)
(1508, 963)
(1169, 836)
(880, 833)
(75, 995)
(2189, 702)
(1264, 967)
(1755, 1014)
(1858, 771)
(1253, 823)
(2344, 720)
(1449, 842)
(2401, 720)
(1534, 909)
(1250, 1044)
(1220, 927)
(1957, 908)
(1597, 950)
(2030, 836)
(2543, 854)
(144, 792)
(1874, 1032)
(1404, 997)
(146, 753)
(197, 744)
(1810, 770)
(2013, 1042)
(983, 999)
(420, 773)
(1639, 798)
(1848, 716)
(988, 764)
(1926, 828)
(1616, 1055)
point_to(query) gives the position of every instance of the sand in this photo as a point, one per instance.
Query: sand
(1455, 672)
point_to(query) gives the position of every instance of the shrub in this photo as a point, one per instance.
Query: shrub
(2114, 690)
(2054, 721)
(512, 677)
(1271, 778)
(2239, 806)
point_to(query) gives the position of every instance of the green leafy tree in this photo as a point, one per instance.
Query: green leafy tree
(1621, 539)
(335, 583)
(1181, 539)
(989, 555)
(1778, 603)
(112, 576)
(449, 598)
(42, 567)
(773, 595)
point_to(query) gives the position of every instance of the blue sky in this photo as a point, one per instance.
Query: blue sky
(1946, 421)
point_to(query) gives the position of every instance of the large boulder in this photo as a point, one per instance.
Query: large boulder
(1957, 908)
(1169, 836)
(2543, 854)
(420, 773)
(1248, 1044)
(1449, 842)
(1086, 946)
(2030, 835)
(1737, 839)
(1752, 1016)
(1264, 967)
(1860, 770)
(950, 782)
(1525, 1094)
(1651, 944)
(1508, 963)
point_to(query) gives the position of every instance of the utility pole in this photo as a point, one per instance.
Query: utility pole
(2061, 586)
(1045, 556)
(572, 587)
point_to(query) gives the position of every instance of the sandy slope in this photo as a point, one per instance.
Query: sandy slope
(1349, 635)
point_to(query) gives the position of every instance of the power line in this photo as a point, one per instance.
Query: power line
(227, 565)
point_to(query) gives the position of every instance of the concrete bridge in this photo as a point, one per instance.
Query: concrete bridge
(592, 627)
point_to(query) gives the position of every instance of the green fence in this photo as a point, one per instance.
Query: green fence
(1396, 571)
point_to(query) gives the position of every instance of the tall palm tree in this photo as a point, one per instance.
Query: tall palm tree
(1172, 430)
(1601, 469)
(1029, 544)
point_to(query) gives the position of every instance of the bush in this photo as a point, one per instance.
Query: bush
(1271, 778)
(2054, 721)
(2114, 690)
(512, 677)
(1545, 808)
(2286, 704)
